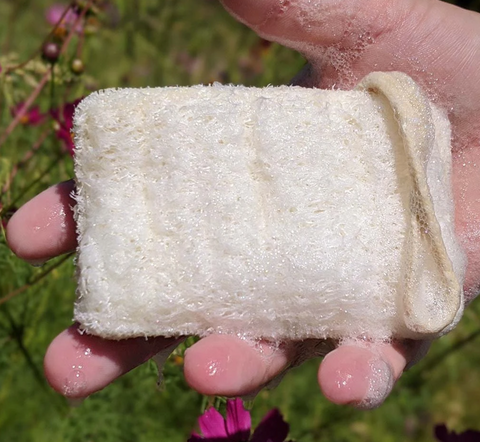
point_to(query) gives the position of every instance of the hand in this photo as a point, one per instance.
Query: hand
(435, 43)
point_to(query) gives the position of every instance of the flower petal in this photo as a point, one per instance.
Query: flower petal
(32, 117)
(54, 13)
(212, 424)
(196, 438)
(35, 116)
(239, 421)
(272, 428)
(68, 112)
(442, 434)
(66, 137)
(55, 114)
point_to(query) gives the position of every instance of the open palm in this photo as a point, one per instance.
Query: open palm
(435, 43)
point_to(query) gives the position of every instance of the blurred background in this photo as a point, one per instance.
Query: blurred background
(135, 43)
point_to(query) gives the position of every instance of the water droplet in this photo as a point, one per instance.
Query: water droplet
(266, 349)
(75, 383)
(212, 369)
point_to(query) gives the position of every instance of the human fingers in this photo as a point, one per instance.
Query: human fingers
(77, 364)
(357, 373)
(44, 226)
(345, 41)
(363, 374)
(432, 41)
(229, 366)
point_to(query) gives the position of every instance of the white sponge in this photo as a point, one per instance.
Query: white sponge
(278, 213)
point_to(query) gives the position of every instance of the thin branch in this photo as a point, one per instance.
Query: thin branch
(17, 334)
(34, 280)
(6, 209)
(81, 41)
(24, 160)
(26, 106)
(28, 103)
(37, 52)
(433, 362)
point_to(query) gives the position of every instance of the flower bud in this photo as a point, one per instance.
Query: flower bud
(77, 66)
(50, 52)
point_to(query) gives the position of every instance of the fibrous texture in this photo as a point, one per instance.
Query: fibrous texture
(278, 213)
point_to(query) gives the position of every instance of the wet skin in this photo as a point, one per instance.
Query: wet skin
(434, 42)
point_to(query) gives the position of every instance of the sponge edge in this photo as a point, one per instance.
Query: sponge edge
(278, 213)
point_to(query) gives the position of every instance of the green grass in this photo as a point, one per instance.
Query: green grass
(157, 43)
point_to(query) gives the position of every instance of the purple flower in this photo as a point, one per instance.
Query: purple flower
(236, 427)
(272, 428)
(54, 13)
(443, 435)
(32, 117)
(63, 117)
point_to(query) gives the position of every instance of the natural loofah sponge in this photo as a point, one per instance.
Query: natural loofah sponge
(278, 213)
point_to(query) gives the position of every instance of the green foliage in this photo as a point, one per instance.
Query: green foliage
(157, 43)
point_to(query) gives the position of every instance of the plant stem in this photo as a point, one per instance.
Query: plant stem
(17, 333)
(33, 96)
(23, 63)
(24, 161)
(433, 362)
(34, 280)
(29, 186)
(26, 106)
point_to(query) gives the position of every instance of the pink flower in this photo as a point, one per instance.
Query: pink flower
(32, 117)
(63, 117)
(236, 427)
(443, 435)
(54, 13)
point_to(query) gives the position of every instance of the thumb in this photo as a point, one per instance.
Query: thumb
(299, 23)
(334, 35)
(344, 40)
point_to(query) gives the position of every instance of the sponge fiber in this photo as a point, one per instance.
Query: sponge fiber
(276, 213)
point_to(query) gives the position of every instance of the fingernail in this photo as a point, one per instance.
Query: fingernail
(380, 385)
